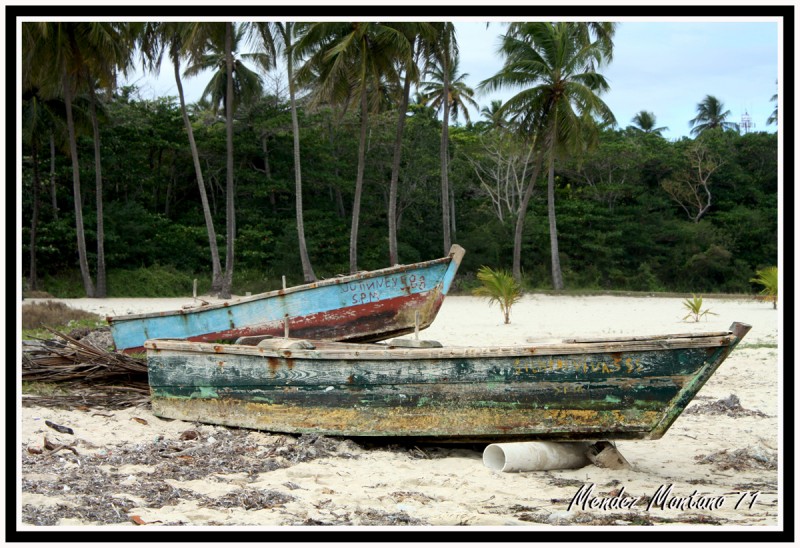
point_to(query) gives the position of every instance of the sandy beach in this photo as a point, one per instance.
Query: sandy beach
(131, 470)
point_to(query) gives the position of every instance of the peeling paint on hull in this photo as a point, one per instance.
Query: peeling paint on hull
(365, 307)
(632, 389)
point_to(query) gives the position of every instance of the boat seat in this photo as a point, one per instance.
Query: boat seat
(414, 343)
(285, 344)
(252, 340)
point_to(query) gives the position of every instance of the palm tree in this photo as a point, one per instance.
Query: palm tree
(54, 52)
(710, 115)
(768, 279)
(287, 33)
(553, 64)
(440, 93)
(356, 56)
(419, 36)
(461, 96)
(495, 116)
(231, 84)
(110, 48)
(230, 211)
(646, 122)
(85, 56)
(773, 118)
(498, 287)
(42, 118)
(32, 117)
(247, 83)
(179, 40)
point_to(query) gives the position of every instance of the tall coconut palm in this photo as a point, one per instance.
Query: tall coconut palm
(248, 85)
(54, 51)
(419, 35)
(352, 56)
(232, 83)
(110, 48)
(287, 34)
(711, 115)
(553, 65)
(230, 210)
(442, 56)
(32, 117)
(646, 122)
(178, 40)
(449, 94)
(460, 95)
(41, 119)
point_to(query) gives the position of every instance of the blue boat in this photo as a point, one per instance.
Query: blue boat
(364, 307)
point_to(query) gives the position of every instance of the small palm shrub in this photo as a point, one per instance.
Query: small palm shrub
(695, 308)
(498, 287)
(768, 279)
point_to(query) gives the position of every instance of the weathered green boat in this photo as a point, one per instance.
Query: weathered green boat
(580, 389)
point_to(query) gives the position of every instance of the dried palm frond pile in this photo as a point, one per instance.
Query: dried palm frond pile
(95, 377)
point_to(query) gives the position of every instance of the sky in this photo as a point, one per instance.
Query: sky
(663, 67)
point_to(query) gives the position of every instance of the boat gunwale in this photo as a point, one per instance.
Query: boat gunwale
(325, 350)
(454, 255)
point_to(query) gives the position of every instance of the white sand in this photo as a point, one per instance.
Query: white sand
(458, 489)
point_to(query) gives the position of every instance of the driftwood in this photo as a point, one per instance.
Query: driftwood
(96, 377)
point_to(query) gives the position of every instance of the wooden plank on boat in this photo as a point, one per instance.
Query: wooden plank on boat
(645, 338)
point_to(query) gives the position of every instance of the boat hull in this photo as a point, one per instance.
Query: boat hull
(365, 307)
(631, 389)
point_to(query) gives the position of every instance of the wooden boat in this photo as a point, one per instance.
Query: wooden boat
(621, 388)
(365, 307)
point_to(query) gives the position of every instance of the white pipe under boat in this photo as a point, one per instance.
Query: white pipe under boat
(535, 455)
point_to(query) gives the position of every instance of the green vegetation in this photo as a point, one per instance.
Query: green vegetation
(768, 279)
(499, 287)
(695, 308)
(383, 180)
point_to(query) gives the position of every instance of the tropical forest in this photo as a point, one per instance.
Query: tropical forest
(322, 149)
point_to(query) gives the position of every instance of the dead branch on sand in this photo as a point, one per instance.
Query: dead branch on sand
(96, 377)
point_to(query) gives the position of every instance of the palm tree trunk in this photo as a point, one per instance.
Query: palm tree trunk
(267, 169)
(100, 288)
(516, 269)
(558, 282)
(308, 272)
(88, 286)
(452, 211)
(216, 268)
(443, 157)
(336, 192)
(362, 143)
(398, 147)
(230, 211)
(53, 175)
(35, 218)
(265, 152)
